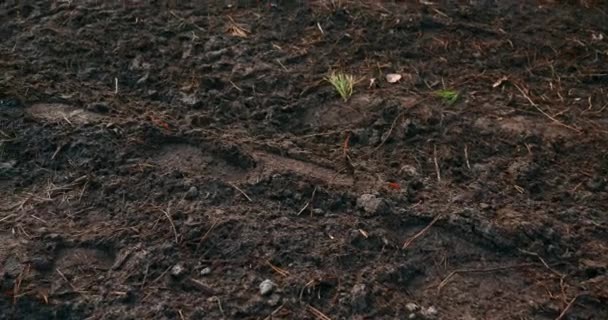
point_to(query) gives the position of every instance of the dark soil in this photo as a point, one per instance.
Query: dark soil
(160, 161)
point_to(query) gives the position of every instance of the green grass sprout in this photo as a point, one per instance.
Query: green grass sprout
(343, 83)
(448, 96)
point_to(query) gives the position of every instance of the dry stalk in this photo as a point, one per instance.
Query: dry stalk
(420, 233)
(320, 315)
(460, 271)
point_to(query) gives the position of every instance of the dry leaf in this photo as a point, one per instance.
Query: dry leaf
(393, 77)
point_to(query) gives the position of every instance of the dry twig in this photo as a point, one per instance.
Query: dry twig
(436, 163)
(172, 224)
(200, 242)
(409, 241)
(567, 308)
(543, 112)
(460, 271)
(320, 315)
(278, 270)
(241, 191)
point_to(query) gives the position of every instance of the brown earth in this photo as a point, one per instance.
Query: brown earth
(160, 161)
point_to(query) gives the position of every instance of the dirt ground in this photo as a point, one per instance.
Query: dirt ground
(189, 161)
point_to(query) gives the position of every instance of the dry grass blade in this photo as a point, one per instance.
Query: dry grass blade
(409, 241)
(236, 30)
(563, 314)
(320, 315)
(241, 191)
(447, 279)
(278, 270)
(532, 103)
(394, 123)
(172, 224)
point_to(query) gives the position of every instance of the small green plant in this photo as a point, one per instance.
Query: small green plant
(343, 83)
(448, 96)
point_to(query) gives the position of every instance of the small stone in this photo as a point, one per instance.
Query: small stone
(191, 193)
(371, 204)
(408, 171)
(41, 264)
(205, 271)
(359, 297)
(11, 267)
(189, 99)
(459, 198)
(274, 300)
(317, 211)
(6, 168)
(411, 307)
(430, 312)
(99, 107)
(198, 313)
(266, 287)
(7, 165)
(178, 270)
(484, 206)
(412, 316)
(596, 184)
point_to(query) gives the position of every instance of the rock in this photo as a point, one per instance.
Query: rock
(12, 267)
(205, 271)
(371, 204)
(412, 316)
(596, 184)
(267, 287)
(99, 107)
(359, 297)
(189, 99)
(7, 167)
(429, 313)
(42, 264)
(178, 270)
(317, 211)
(191, 193)
(274, 300)
(408, 171)
(198, 313)
(411, 307)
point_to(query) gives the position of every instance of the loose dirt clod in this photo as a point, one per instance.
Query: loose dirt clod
(161, 159)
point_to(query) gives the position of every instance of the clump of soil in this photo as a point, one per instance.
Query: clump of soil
(188, 161)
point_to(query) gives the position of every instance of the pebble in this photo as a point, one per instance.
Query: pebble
(371, 204)
(408, 171)
(6, 167)
(359, 297)
(411, 307)
(178, 270)
(596, 184)
(429, 312)
(42, 264)
(318, 211)
(274, 300)
(267, 286)
(191, 193)
(99, 107)
(205, 271)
